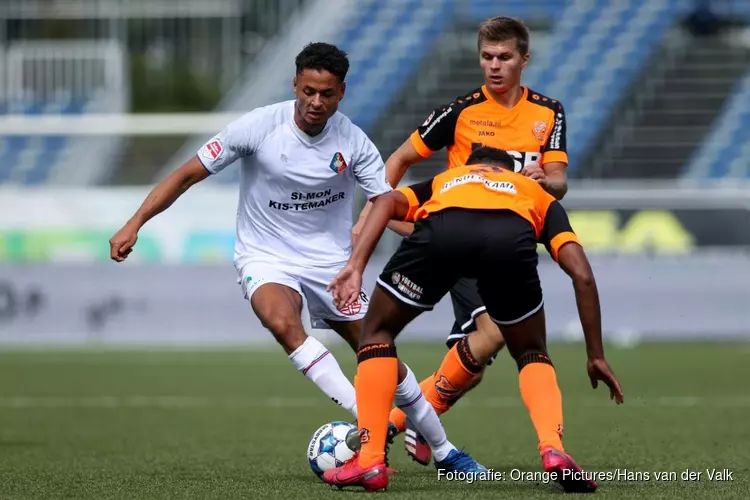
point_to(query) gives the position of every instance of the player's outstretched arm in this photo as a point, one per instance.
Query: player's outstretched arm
(159, 199)
(348, 283)
(574, 262)
(393, 205)
(395, 167)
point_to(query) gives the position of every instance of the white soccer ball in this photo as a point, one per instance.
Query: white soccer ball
(331, 445)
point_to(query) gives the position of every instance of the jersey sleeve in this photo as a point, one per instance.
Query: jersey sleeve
(240, 138)
(417, 195)
(437, 131)
(555, 148)
(369, 169)
(557, 230)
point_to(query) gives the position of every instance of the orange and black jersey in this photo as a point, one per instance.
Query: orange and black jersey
(533, 130)
(481, 187)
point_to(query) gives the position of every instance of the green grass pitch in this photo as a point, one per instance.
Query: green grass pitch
(234, 424)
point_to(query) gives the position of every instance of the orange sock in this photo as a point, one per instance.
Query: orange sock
(455, 375)
(376, 381)
(542, 397)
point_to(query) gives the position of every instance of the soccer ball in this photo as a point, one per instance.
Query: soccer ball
(332, 445)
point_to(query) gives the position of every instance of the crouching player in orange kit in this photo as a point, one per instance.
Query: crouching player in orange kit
(479, 221)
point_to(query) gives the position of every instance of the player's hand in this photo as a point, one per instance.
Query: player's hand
(599, 369)
(534, 171)
(121, 244)
(346, 286)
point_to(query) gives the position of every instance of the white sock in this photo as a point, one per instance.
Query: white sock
(318, 364)
(422, 415)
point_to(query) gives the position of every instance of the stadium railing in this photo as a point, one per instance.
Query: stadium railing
(61, 78)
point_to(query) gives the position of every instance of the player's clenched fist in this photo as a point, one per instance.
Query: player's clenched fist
(121, 244)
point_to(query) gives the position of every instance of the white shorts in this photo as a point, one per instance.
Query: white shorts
(310, 283)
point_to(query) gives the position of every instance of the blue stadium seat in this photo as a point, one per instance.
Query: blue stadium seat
(524, 9)
(724, 152)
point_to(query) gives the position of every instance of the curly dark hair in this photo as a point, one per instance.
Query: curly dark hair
(491, 156)
(323, 56)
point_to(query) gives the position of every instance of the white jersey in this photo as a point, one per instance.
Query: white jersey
(296, 191)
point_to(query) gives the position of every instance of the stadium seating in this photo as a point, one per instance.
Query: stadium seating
(601, 44)
(31, 159)
(725, 150)
(385, 46)
(385, 40)
(524, 9)
(372, 26)
(597, 51)
(385, 55)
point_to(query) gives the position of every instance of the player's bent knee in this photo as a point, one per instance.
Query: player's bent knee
(288, 331)
(489, 330)
(375, 330)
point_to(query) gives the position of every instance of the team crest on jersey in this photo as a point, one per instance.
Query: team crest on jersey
(540, 130)
(338, 164)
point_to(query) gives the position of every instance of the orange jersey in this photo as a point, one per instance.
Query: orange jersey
(481, 187)
(533, 130)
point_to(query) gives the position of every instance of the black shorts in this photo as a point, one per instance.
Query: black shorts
(497, 248)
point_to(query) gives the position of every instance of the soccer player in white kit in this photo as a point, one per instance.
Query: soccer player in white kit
(300, 163)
